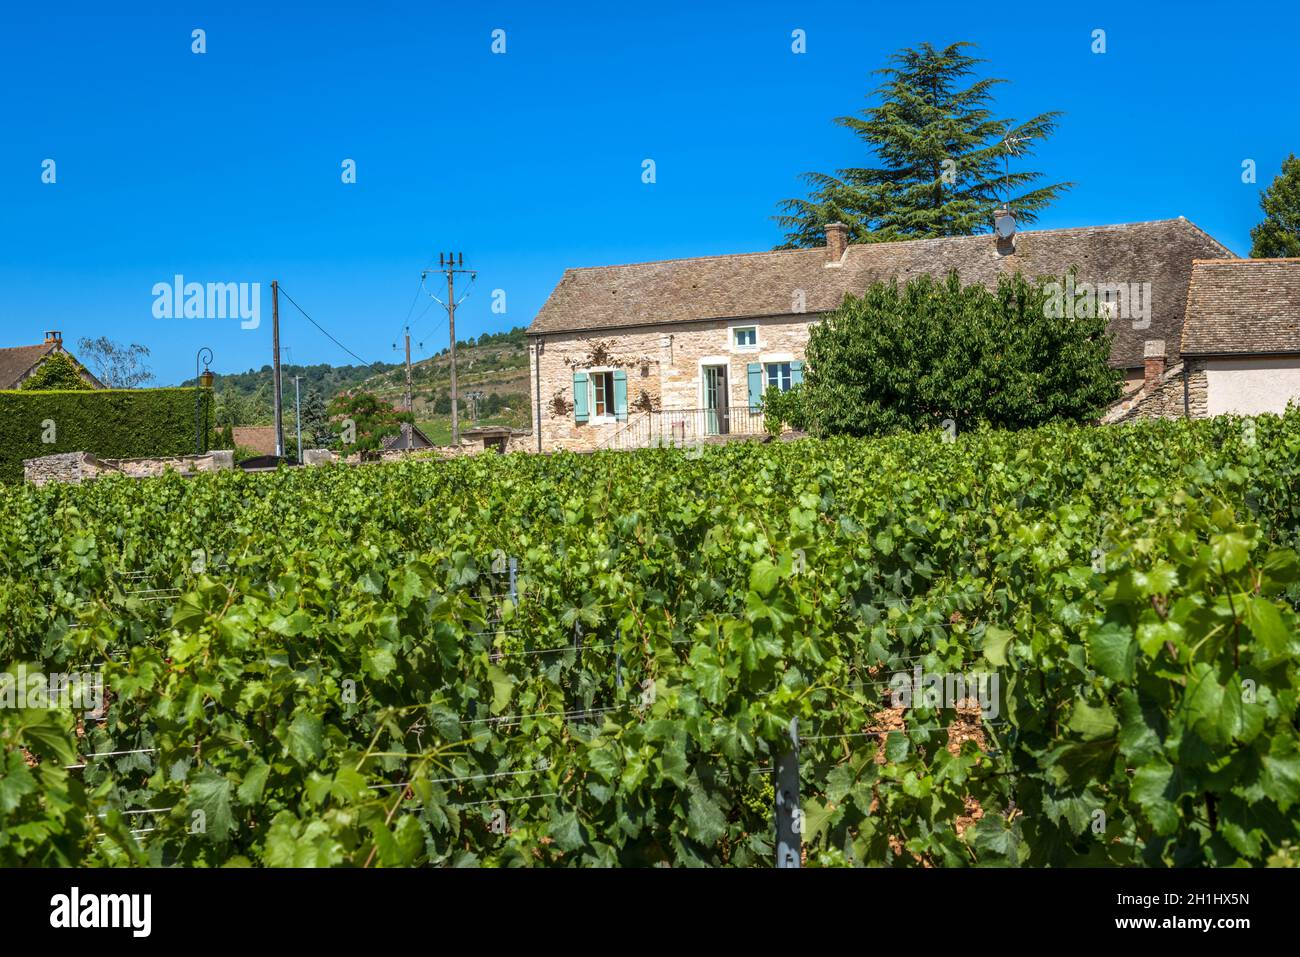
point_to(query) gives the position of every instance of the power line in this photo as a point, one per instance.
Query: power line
(324, 332)
(410, 309)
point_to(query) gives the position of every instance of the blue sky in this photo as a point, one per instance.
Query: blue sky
(226, 166)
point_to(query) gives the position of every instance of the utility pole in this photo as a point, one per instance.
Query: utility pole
(406, 426)
(275, 366)
(451, 324)
(297, 414)
(450, 264)
(474, 398)
(407, 404)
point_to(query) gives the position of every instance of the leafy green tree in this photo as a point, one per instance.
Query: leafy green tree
(908, 358)
(1278, 235)
(58, 371)
(234, 407)
(942, 159)
(363, 421)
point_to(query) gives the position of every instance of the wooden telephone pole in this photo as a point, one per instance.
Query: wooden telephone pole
(407, 405)
(275, 366)
(450, 264)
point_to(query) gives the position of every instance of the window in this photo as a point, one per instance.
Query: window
(778, 376)
(745, 337)
(602, 390)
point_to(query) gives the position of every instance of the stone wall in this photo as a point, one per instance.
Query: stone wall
(521, 442)
(1165, 399)
(66, 467)
(77, 467)
(663, 366)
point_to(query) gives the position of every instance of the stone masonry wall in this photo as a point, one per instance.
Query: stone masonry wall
(1165, 400)
(663, 366)
(65, 467)
(77, 467)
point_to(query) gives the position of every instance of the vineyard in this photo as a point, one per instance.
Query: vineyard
(599, 660)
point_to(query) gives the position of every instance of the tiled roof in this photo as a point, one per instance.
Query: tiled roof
(765, 284)
(258, 438)
(411, 438)
(18, 361)
(15, 363)
(1242, 307)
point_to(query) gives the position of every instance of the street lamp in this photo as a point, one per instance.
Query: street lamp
(203, 381)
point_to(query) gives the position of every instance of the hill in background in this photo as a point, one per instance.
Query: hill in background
(494, 365)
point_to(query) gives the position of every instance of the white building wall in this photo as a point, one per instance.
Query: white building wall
(1252, 385)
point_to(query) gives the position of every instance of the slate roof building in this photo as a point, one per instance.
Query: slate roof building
(623, 356)
(1240, 344)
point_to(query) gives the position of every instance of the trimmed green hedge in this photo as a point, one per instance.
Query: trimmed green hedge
(109, 423)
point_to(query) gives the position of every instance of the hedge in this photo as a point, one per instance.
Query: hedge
(108, 423)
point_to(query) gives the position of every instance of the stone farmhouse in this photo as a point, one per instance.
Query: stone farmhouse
(681, 350)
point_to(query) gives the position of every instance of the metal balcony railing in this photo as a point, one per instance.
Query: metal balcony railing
(681, 427)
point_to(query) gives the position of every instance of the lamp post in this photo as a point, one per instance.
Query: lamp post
(202, 381)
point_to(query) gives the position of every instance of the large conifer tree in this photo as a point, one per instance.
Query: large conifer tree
(943, 164)
(1278, 235)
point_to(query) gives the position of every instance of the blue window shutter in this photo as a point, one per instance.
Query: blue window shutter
(620, 395)
(580, 397)
(755, 373)
(796, 373)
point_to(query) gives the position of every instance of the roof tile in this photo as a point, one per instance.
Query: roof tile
(766, 284)
(1243, 307)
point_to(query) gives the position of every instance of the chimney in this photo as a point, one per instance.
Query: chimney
(837, 240)
(54, 338)
(1153, 360)
(1004, 228)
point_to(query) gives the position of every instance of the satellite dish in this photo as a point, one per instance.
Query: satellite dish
(1004, 223)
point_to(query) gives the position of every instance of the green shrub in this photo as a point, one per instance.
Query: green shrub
(904, 358)
(109, 423)
(784, 408)
(57, 372)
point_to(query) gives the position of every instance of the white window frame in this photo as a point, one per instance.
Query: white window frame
(731, 337)
(770, 361)
(592, 417)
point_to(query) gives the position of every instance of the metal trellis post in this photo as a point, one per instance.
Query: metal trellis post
(789, 817)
